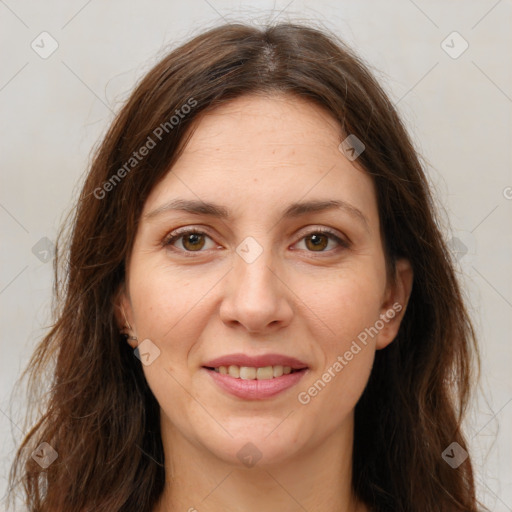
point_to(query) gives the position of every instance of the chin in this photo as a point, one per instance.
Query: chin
(252, 445)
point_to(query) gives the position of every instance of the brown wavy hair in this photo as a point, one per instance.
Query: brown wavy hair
(98, 412)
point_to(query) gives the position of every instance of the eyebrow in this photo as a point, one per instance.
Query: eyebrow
(294, 210)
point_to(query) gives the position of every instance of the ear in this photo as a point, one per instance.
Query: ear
(124, 314)
(395, 303)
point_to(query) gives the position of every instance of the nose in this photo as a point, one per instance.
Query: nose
(256, 295)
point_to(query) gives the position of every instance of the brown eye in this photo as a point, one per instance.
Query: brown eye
(191, 240)
(318, 241)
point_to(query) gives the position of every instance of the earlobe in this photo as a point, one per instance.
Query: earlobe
(123, 315)
(395, 304)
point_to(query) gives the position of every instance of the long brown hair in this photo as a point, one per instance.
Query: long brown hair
(99, 414)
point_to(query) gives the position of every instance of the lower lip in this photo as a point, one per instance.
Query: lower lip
(256, 389)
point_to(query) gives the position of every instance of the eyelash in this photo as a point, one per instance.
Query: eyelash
(176, 235)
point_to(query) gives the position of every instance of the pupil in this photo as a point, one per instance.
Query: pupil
(193, 239)
(317, 241)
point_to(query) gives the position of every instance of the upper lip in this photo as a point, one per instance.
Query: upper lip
(256, 361)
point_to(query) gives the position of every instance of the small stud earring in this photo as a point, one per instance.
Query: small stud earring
(124, 333)
(128, 337)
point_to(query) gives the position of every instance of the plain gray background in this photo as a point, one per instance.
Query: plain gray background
(457, 105)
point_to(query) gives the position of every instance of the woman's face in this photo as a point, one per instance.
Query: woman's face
(276, 272)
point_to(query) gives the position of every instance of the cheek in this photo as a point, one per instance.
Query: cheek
(348, 308)
(347, 304)
(333, 394)
(168, 310)
(167, 302)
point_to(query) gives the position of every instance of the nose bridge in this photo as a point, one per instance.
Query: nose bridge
(253, 270)
(257, 298)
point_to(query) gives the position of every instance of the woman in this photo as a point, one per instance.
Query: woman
(259, 311)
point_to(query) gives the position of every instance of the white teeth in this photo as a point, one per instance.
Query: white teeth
(278, 371)
(247, 373)
(234, 371)
(265, 373)
(251, 373)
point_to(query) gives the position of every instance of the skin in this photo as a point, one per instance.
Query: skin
(255, 156)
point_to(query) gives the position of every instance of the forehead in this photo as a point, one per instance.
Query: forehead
(266, 122)
(266, 152)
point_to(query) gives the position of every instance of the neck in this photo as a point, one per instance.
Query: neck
(319, 478)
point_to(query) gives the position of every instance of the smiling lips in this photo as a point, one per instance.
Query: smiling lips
(256, 377)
